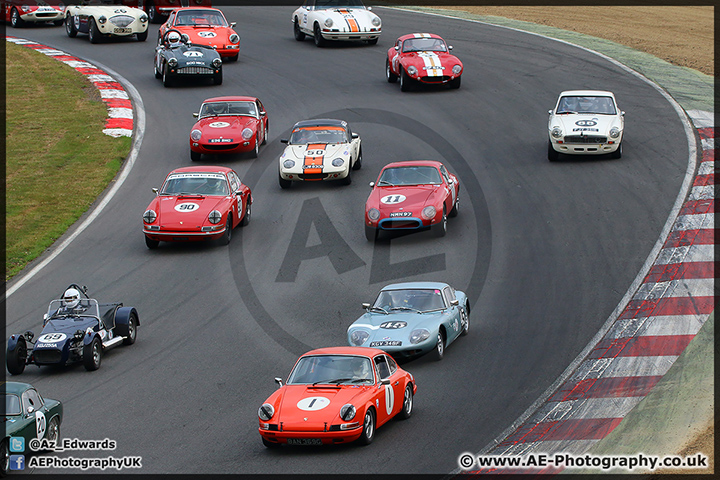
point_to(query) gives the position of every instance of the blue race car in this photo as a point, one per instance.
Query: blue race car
(76, 328)
(411, 319)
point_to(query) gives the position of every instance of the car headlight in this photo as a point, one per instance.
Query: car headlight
(412, 70)
(173, 62)
(338, 162)
(143, 18)
(456, 69)
(347, 412)
(614, 132)
(289, 163)
(247, 134)
(266, 411)
(215, 217)
(376, 21)
(102, 19)
(418, 335)
(234, 38)
(428, 213)
(217, 62)
(149, 216)
(373, 214)
(358, 337)
(25, 8)
(556, 132)
(328, 22)
(196, 135)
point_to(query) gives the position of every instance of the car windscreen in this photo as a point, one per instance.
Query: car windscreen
(418, 175)
(200, 18)
(196, 184)
(212, 109)
(323, 4)
(409, 300)
(85, 308)
(306, 135)
(12, 404)
(586, 104)
(424, 45)
(331, 369)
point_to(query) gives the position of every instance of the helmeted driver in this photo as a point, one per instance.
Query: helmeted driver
(70, 303)
(174, 39)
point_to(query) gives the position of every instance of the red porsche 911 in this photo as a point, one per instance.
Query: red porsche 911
(336, 395)
(412, 195)
(422, 58)
(197, 203)
(229, 125)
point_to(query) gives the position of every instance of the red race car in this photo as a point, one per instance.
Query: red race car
(423, 58)
(21, 12)
(204, 26)
(229, 125)
(336, 395)
(412, 195)
(197, 203)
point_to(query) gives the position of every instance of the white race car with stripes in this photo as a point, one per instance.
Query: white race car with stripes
(422, 58)
(320, 149)
(327, 20)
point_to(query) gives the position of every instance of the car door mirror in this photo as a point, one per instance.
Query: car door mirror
(355, 135)
(550, 112)
(30, 410)
(365, 306)
(622, 113)
(454, 302)
(283, 140)
(449, 47)
(372, 184)
(397, 48)
(196, 115)
(278, 380)
(385, 381)
(263, 113)
(232, 24)
(155, 191)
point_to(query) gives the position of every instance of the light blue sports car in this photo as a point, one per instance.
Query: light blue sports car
(411, 319)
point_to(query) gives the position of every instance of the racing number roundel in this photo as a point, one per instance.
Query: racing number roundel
(313, 403)
(186, 207)
(206, 34)
(40, 424)
(52, 337)
(392, 199)
(389, 398)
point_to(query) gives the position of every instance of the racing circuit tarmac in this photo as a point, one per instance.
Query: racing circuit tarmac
(554, 247)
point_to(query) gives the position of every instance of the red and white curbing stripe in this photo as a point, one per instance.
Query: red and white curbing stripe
(120, 112)
(667, 311)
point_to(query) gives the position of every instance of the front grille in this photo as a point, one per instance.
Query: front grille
(195, 71)
(221, 146)
(46, 14)
(585, 139)
(400, 223)
(442, 79)
(47, 356)
(121, 21)
(313, 176)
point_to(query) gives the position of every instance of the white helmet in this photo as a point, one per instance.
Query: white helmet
(71, 297)
(173, 38)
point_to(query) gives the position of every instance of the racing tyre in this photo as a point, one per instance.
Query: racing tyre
(348, 179)
(456, 206)
(217, 78)
(16, 358)
(439, 351)
(455, 83)
(70, 27)
(372, 41)
(53, 430)
(15, 19)
(248, 213)
(617, 153)
(368, 431)
(407, 406)
(142, 36)
(371, 233)
(553, 155)
(227, 236)
(391, 77)
(92, 355)
(94, 32)
(265, 134)
(404, 81)
(319, 40)
(270, 444)
(195, 156)
(150, 243)
(441, 228)
(166, 76)
(284, 183)
(256, 151)
(299, 35)
(131, 333)
(358, 163)
(465, 321)
(4, 457)
(153, 14)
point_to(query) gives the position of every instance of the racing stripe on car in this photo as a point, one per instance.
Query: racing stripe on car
(350, 20)
(433, 66)
(313, 162)
(120, 120)
(421, 35)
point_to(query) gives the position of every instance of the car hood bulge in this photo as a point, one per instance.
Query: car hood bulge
(187, 212)
(412, 198)
(328, 151)
(586, 124)
(308, 407)
(351, 20)
(224, 127)
(396, 325)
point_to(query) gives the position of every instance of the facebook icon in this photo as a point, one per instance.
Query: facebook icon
(17, 462)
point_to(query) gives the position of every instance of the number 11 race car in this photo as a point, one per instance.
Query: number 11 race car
(76, 328)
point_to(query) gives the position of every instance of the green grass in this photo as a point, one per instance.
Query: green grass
(57, 159)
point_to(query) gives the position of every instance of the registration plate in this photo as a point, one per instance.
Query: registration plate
(400, 214)
(304, 441)
(122, 30)
(386, 343)
(220, 140)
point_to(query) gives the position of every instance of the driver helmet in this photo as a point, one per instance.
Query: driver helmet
(173, 38)
(360, 370)
(71, 298)
(586, 104)
(216, 108)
